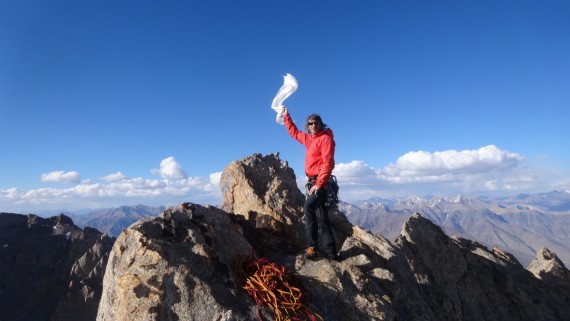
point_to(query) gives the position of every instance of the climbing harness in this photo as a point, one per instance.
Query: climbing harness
(331, 191)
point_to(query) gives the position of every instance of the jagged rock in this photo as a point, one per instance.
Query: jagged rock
(178, 266)
(50, 269)
(264, 189)
(547, 263)
(466, 281)
(181, 265)
(549, 268)
(517, 225)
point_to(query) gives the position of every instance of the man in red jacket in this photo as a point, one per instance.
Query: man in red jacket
(319, 163)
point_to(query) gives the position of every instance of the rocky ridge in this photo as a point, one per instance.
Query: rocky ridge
(181, 264)
(520, 226)
(49, 268)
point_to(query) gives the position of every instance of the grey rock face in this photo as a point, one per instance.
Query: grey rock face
(182, 264)
(49, 268)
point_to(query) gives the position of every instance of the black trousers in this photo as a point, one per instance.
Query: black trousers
(316, 215)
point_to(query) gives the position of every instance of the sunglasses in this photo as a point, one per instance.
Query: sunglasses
(312, 123)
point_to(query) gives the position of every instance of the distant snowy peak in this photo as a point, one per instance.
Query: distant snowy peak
(523, 203)
(412, 201)
(464, 200)
(372, 206)
(458, 199)
(349, 208)
(418, 203)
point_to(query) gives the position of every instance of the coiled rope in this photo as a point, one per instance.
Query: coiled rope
(270, 285)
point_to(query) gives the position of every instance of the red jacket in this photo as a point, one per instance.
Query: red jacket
(319, 160)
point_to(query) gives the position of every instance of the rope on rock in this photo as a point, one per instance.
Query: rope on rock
(269, 284)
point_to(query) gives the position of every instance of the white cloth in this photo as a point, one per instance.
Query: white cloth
(289, 87)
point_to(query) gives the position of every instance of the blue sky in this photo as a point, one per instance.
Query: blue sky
(105, 103)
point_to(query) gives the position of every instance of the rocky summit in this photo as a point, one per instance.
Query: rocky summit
(185, 264)
(191, 262)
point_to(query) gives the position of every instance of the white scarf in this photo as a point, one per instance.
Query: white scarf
(289, 87)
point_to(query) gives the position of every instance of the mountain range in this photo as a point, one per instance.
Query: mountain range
(520, 224)
(114, 220)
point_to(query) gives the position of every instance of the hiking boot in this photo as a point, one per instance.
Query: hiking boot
(311, 253)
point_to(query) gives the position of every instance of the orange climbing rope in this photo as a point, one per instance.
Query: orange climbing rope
(269, 284)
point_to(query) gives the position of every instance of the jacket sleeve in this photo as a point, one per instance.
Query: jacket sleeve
(327, 161)
(294, 132)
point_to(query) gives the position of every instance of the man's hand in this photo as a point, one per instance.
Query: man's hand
(284, 111)
(313, 190)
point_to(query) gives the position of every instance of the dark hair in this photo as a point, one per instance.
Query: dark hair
(316, 118)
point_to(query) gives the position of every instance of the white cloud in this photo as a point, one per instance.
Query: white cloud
(511, 183)
(118, 176)
(355, 168)
(115, 189)
(356, 172)
(562, 184)
(215, 178)
(115, 193)
(440, 165)
(422, 166)
(61, 177)
(420, 172)
(476, 172)
(170, 169)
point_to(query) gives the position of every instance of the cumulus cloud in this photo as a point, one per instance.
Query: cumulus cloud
(422, 166)
(451, 162)
(355, 168)
(215, 178)
(356, 172)
(485, 169)
(118, 176)
(61, 177)
(170, 169)
(115, 189)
